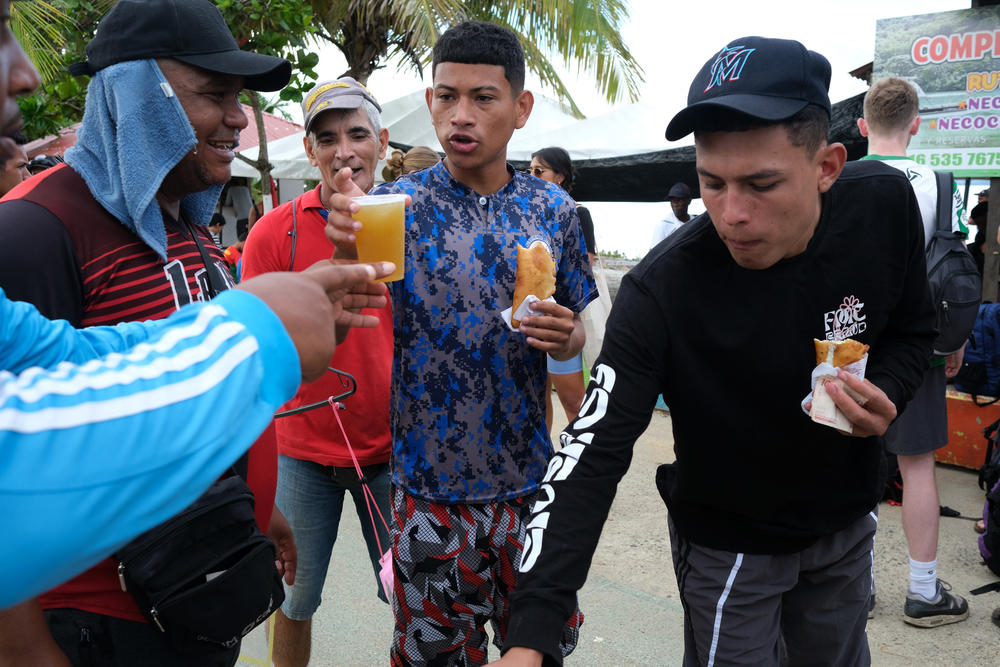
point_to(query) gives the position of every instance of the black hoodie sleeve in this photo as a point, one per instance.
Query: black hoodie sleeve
(596, 452)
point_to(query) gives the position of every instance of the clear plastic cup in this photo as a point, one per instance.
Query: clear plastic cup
(381, 237)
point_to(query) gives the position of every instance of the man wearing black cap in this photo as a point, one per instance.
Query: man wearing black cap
(679, 197)
(315, 469)
(118, 233)
(771, 515)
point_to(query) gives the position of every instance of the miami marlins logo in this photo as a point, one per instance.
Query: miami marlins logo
(728, 65)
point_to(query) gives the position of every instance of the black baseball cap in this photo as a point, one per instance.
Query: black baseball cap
(679, 191)
(191, 31)
(768, 79)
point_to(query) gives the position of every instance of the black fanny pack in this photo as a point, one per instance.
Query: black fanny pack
(205, 577)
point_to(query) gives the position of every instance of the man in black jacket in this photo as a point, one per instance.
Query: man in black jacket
(772, 515)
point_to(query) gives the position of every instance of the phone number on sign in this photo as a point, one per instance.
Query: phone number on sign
(976, 159)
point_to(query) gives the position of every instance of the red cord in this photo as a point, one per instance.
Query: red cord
(369, 496)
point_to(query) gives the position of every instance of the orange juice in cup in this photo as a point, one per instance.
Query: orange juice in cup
(381, 237)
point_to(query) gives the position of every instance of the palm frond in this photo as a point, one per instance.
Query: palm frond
(540, 64)
(584, 33)
(39, 26)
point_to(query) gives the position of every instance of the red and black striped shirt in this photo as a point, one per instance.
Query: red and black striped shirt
(62, 251)
(52, 222)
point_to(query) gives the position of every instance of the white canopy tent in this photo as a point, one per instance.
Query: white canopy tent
(619, 155)
(627, 130)
(409, 123)
(286, 154)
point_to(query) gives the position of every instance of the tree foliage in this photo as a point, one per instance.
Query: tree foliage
(587, 33)
(370, 33)
(38, 26)
(55, 35)
(278, 28)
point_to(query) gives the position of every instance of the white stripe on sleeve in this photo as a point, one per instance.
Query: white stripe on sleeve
(115, 407)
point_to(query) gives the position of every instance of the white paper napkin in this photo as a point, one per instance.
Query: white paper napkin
(522, 311)
(824, 410)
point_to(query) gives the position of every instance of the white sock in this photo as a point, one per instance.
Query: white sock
(923, 578)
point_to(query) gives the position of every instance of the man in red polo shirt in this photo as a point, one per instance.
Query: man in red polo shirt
(315, 471)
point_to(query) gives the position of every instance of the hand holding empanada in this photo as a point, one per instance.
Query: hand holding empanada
(838, 354)
(536, 274)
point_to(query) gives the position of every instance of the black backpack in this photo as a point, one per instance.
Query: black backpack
(980, 371)
(989, 473)
(989, 480)
(989, 542)
(956, 286)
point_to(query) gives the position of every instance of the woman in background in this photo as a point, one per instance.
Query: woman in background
(415, 159)
(553, 164)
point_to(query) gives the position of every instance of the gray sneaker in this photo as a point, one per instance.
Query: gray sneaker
(943, 609)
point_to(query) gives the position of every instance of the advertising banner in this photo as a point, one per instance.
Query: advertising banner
(953, 60)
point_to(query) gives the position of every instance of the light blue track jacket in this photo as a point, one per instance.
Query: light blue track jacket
(126, 427)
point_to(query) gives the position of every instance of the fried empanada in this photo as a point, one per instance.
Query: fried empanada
(536, 274)
(839, 353)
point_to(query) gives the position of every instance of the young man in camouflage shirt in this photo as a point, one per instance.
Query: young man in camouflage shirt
(470, 445)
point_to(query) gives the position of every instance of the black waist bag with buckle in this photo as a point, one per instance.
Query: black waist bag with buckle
(205, 577)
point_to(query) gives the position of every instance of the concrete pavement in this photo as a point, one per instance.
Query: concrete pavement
(633, 614)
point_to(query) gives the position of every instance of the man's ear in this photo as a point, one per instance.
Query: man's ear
(523, 104)
(830, 160)
(429, 97)
(863, 127)
(383, 142)
(915, 126)
(307, 144)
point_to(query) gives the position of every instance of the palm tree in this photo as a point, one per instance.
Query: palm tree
(371, 33)
(38, 26)
(42, 28)
(278, 28)
(54, 34)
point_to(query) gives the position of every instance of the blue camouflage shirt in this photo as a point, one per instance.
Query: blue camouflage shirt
(467, 403)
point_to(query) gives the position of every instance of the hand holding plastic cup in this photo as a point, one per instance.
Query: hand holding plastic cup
(381, 237)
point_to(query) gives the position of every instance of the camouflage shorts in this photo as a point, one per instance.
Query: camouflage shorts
(455, 568)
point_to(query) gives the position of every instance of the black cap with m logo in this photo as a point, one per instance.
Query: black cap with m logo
(769, 79)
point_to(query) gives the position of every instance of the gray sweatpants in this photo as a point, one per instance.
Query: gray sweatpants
(808, 607)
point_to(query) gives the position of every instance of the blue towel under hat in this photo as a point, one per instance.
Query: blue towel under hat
(134, 132)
